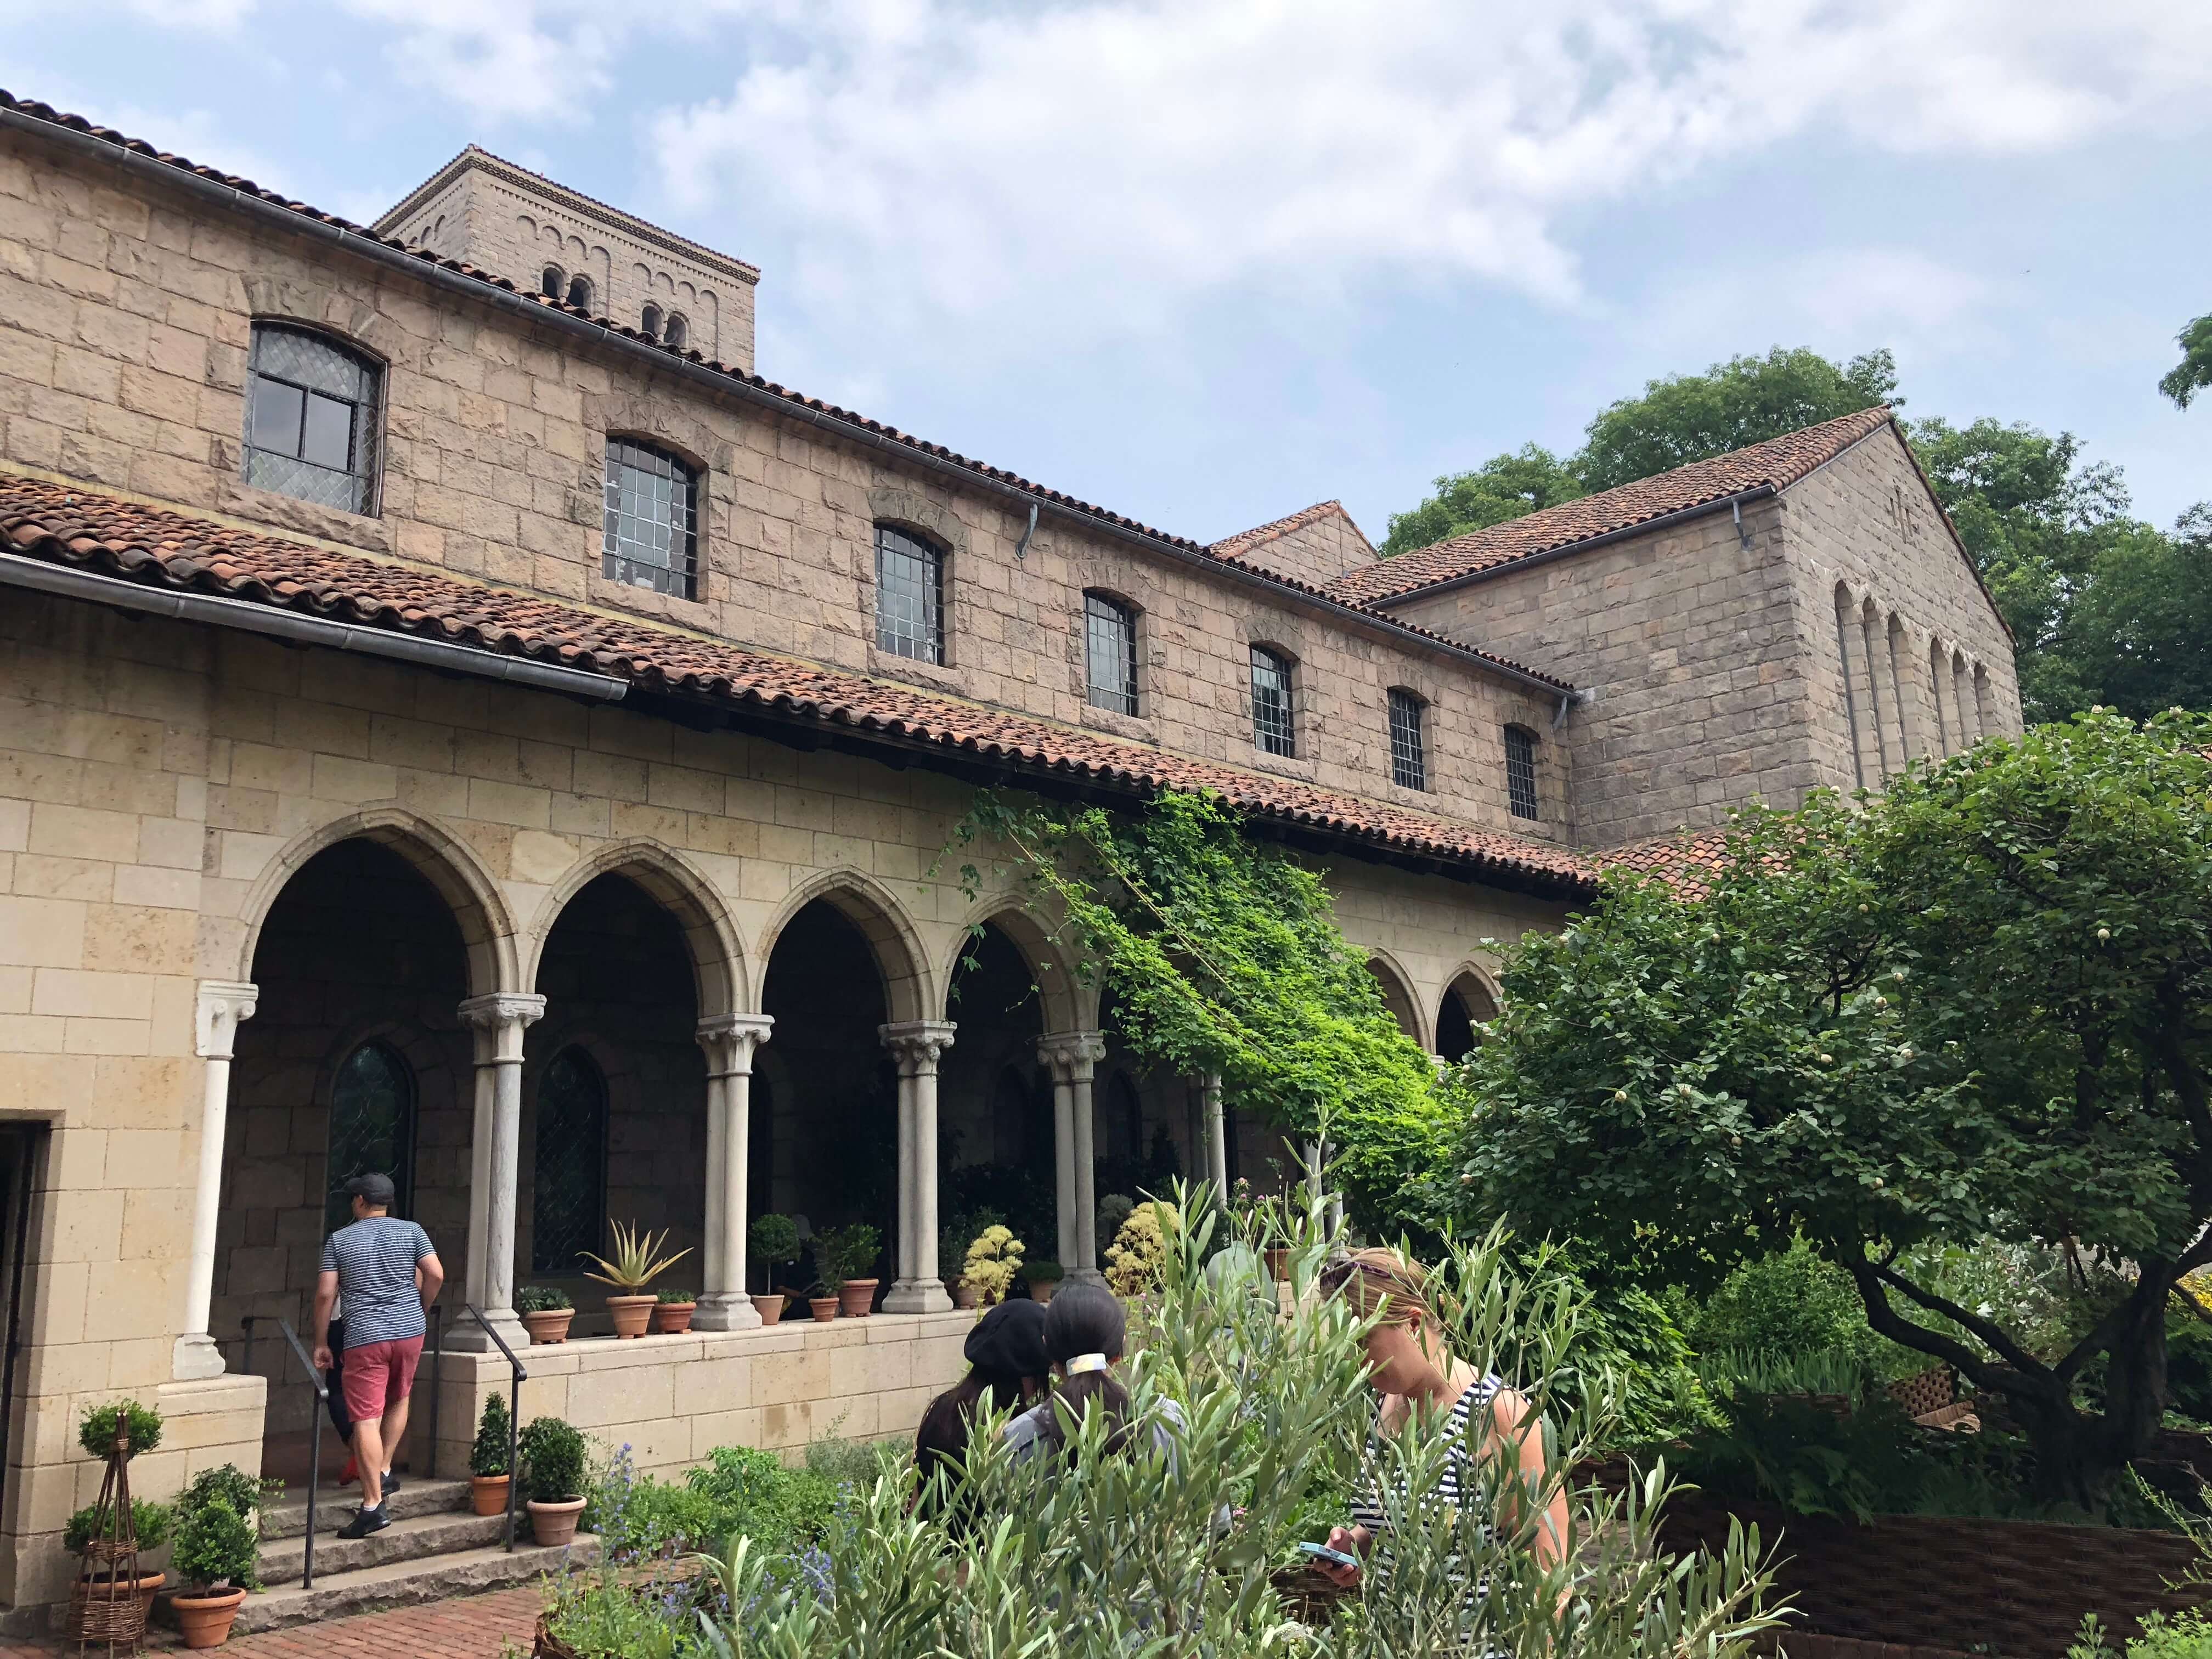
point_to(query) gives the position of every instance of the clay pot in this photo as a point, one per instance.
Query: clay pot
(1041, 1289)
(206, 1619)
(551, 1325)
(967, 1295)
(769, 1308)
(824, 1307)
(673, 1318)
(631, 1314)
(555, 1523)
(858, 1299)
(487, 1494)
(1278, 1264)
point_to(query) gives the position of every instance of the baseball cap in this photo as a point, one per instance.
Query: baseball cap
(372, 1188)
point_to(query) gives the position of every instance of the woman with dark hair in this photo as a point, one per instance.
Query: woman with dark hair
(1085, 1329)
(1006, 1368)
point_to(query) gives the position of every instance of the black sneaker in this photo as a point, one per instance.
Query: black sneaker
(391, 1482)
(365, 1521)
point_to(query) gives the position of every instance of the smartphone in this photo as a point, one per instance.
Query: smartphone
(1337, 1558)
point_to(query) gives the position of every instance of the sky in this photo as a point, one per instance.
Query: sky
(1204, 262)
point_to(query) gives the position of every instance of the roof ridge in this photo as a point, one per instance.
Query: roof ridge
(1283, 526)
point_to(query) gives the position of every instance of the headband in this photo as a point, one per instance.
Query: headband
(1086, 1362)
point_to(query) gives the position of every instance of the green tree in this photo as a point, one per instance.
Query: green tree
(2139, 634)
(1503, 487)
(1981, 1005)
(2194, 372)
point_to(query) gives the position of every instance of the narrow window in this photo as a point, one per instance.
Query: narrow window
(372, 1128)
(909, 595)
(1851, 677)
(1272, 729)
(580, 293)
(652, 535)
(1521, 771)
(1409, 760)
(549, 284)
(1111, 641)
(650, 322)
(1961, 699)
(311, 419)
(1868, 623)
(676, 331)
(1985, 714)
(1936, 677)
(569, 1199)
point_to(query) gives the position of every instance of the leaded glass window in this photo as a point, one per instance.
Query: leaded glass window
(653, 536)
(1521, 771)
(372, 1128)
(568, 1207)
(1271, 702)
(1110, 642)
(909, 595)
(1409, 759)
(311, 419)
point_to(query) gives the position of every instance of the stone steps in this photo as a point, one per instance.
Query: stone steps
(334, 1507)
(411, 1539)
(408, 1583)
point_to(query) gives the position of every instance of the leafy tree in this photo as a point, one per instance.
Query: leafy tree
(1980, 1005)
(2194, 372)
(2139, 634)
(1503, 487)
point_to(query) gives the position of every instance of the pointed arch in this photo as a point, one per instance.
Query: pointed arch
(1469, 1002)
(1063, 999)
(909, 990)
(1397, 988)
(710, 937)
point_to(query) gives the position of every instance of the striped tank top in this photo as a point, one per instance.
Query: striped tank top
(1371, 1506)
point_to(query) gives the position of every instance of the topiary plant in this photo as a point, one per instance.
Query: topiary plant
(216, 1547)
(245, 1494)
(541, 1298)
(772, 1240)
(552, 1461)
(150, 1522)
(96, 1434)
(489, 1455)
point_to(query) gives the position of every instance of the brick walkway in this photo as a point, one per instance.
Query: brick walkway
(469, 1627)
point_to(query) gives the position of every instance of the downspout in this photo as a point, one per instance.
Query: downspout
(1022, 547)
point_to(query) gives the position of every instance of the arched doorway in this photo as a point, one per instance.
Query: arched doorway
(1467, 1007)
(994, 1124)
(1397, 997)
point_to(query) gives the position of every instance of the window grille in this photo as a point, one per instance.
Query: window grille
(569, 1200)
(1521, 771)
(652, 535)
(909, 595)
(1409, 761)
(311, 419)
(1272, 728)
(371, 1129)
(1110, 633)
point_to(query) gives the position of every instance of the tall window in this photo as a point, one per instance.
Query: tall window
(652, 534)
(909, 595)
(1111, 641)
(549, 284)
(568, 1204)
(311, 418)
(580, 293)
(1272, 730)
(1521, 771)
(1409, 759)
(676, 331)
(650, 322)
(372, 1128)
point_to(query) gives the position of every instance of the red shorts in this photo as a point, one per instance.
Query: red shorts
(377, 1375)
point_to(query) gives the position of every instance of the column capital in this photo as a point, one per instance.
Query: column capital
(499, 1020)
(917, 1044)
(1073, 1054)
(222, 1003)
(730, 1040)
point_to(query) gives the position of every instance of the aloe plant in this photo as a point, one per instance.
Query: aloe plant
(636, 1261)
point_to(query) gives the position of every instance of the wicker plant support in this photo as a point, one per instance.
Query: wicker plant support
(104, 1606)
(547, 1645)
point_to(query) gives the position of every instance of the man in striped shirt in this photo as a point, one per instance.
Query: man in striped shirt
(389, 1274)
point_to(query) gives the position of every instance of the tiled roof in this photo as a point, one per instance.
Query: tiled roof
(130, 541)
(1245, 540)
(1686, 860)
(1775, 464)
(799, 404)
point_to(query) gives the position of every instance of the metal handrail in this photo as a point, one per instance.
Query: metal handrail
(315, 1435)
(513, 1412)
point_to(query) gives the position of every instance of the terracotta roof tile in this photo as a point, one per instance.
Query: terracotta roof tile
(1686, 860)
(1245, 540)
(132, 542)
(1775, 464)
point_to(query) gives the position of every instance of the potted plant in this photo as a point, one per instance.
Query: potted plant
(637, 1262)
(672, 1311)
(150, 1525)
(845, 1253)
(993, 1260)
(216, 1556)
(823, 1307)
(488, 1474)
(1044, 1278)
(547, 1312)
(773, 1241)
(109, 1601)
(553, 1474)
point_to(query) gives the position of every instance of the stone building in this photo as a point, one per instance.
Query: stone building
(449, 725)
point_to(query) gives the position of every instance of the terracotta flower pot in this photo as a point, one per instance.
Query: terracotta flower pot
(858, 1299)
(206, 1619)
(1278, 1264)
(769, 1308)
(1041, 1289)
(631, 1314)
(555, 1523)
(551, 1325)
(673, 1318)
(824, 1307)
(967, 1295)
(487, 1494)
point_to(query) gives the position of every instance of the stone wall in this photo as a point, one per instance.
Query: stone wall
(1317, 546)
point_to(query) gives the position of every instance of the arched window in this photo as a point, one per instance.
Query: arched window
(1521, 772)
(1466, 1009)
(372, 1128)
(1937, 673)
(909, 595)
(1409, 756)
(568, 1204)
(650, 322)
(311, 418)
(1273, 730)
(580, 293)
(550, 283)
(653, 519)
(1109, 630)
(1850, 672)
(676, 331)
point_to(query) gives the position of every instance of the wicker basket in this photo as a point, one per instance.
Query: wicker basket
(111, 1610)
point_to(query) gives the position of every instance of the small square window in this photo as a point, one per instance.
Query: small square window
(1271, 727)
(652, 521)
(310, 418)
(1409, 761)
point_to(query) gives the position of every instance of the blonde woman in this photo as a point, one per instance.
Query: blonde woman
(1412, 1368)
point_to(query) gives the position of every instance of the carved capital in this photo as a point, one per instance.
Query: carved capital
(730, 1040)
(917, 1044)
(1072, 1055)
(499, 1021)
(222, 1003)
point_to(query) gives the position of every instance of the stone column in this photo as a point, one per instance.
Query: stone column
(1063, 1157)
(499, 1021)
(916, 1045)
(1073, 1056)
(222, 1003)
(1217, 1137)
(729, 1041)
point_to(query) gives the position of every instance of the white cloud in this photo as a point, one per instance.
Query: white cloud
(525, 60)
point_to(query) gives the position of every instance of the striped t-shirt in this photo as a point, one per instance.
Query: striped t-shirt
(374, 1260)
(1459, 1475)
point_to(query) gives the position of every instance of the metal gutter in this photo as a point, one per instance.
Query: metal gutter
(16, 571)
(729, 383)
